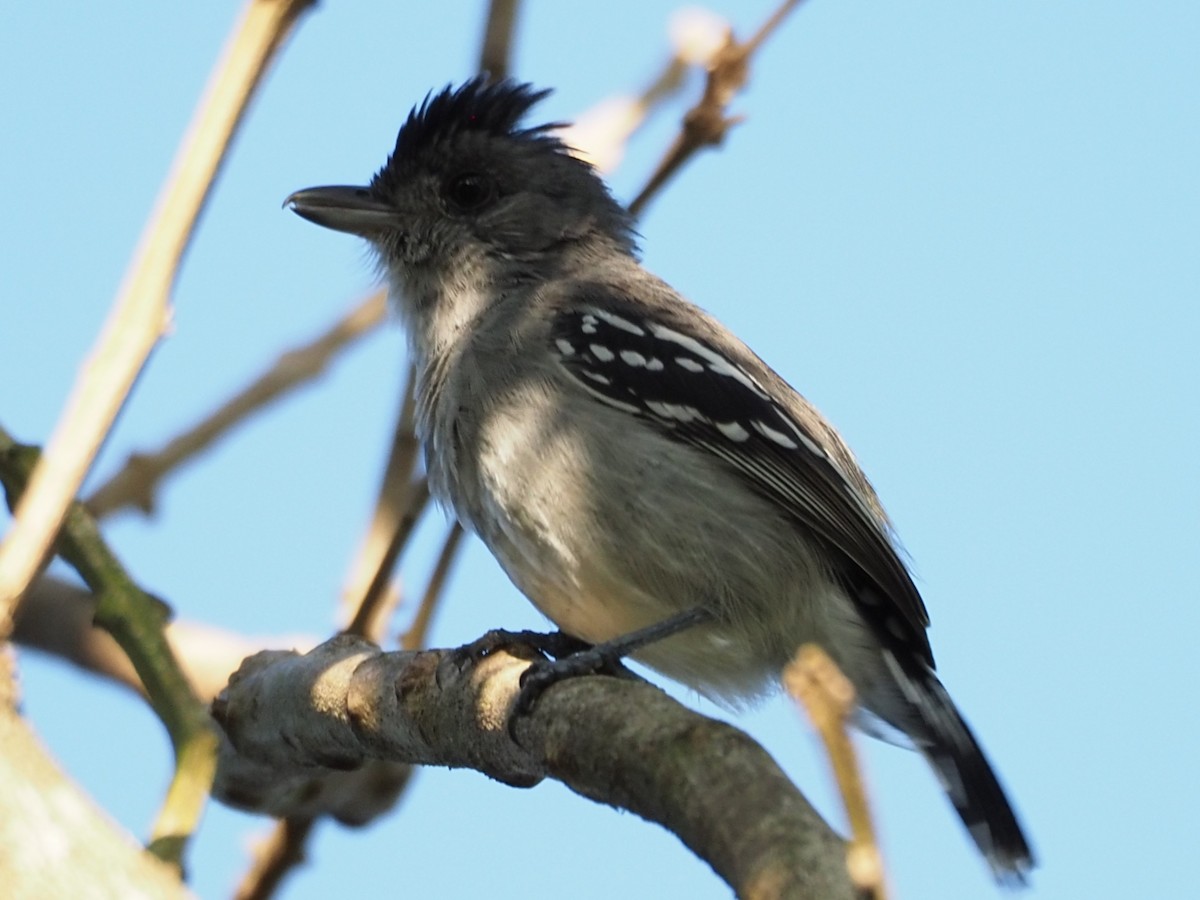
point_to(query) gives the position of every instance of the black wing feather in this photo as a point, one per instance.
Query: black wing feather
(653, 364)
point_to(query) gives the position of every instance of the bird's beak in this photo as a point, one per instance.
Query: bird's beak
(344, 208)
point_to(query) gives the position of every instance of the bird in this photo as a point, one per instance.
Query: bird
(634, 467)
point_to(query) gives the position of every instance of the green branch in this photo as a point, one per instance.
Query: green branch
(137, 621)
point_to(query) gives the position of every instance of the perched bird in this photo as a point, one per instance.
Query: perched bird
(628, 460)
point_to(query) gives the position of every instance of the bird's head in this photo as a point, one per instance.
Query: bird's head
(468, 193)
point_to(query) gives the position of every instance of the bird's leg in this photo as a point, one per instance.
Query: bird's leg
(601, 659)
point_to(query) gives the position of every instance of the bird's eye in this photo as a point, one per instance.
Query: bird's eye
(470, 191)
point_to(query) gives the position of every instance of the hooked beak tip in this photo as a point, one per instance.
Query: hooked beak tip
(343, 208)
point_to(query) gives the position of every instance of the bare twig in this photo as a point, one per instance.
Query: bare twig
(389, 511)
(600, 134)
(398, 508)
(141, 312)
(274, 857)
(378, 596)
(418, 632)
(813, 679)
(495, 54)
(136, 484)
(705, 125)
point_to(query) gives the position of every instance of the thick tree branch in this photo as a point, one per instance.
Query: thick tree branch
(55, 842)
(345, 704)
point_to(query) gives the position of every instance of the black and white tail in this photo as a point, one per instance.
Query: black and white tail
(968, 778)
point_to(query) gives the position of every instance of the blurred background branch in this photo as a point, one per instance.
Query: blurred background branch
(136, 484)
(141, 311)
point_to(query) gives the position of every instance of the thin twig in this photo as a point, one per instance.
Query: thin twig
(137, 483)
(398, 507)
(141, 311)
(600, 134)
(705, 124)
(418, 631)
(496, 52)
(274, 857)
(368, 613)
(814, 680)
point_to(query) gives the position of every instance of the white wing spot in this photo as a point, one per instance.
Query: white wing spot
(809, 445)
(716, 362)
(617, 322)
(612, 401)
(690, 364)
(907, 688)
(589, 325)
(633, 358)
(595, 376)
(654, 365)
(799, 435)
(733, 430)
(565, 347)
(674, 411)
(602, 353)
(772, 435)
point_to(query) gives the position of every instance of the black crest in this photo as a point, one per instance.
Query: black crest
(477, 106)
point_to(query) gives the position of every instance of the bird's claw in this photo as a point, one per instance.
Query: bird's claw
(541, 674)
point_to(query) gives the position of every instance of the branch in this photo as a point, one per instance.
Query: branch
(58, 618)
(137, 623)
(814, 680)
(600, 134)
(418, 630)
(141, 311)
(138, 480)
(705, 124)
(274, 857)
(56, 842)
(625, 743)
(494, 55)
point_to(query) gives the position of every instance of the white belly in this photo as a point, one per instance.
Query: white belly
(602, 560)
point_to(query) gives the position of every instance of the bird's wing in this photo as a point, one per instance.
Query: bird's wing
(685, 376)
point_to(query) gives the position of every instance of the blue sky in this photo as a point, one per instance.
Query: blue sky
(966, 230)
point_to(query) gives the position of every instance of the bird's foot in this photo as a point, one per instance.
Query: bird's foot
(598, 659)
(606, 658)
(551, 645)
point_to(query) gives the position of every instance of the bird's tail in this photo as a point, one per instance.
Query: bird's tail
(969, 781)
